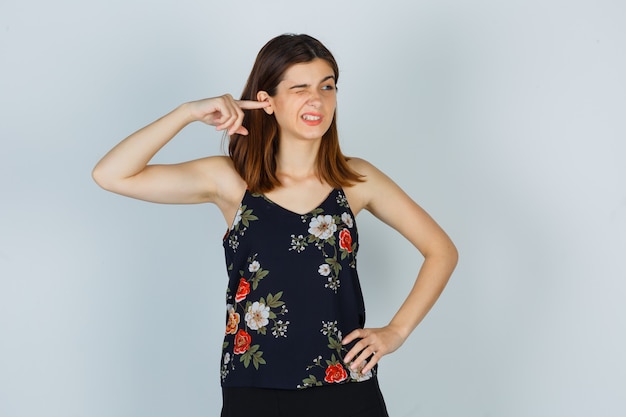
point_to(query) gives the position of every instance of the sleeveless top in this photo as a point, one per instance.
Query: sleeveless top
(293, 293)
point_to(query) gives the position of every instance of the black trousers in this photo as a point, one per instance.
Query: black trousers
(355, 399)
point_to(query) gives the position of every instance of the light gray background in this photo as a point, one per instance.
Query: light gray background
(504, 119)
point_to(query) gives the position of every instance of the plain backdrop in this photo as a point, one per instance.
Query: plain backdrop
(504, 119)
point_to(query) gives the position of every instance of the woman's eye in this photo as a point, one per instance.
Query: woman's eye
(328, 87)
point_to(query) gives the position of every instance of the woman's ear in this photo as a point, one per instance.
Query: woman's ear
(263, 96)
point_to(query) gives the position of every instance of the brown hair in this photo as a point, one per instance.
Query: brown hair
(254, 154)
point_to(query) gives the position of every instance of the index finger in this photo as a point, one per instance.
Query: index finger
(353, 335)
(251, 104)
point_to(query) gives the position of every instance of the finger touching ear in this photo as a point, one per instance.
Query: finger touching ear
(263, 96)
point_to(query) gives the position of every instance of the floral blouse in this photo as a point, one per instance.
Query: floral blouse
(293, 292)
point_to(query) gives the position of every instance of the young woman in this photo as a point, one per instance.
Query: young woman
(295, 341)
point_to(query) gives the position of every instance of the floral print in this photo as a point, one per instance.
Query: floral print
(324, 270)
(275, 256)
(243, 290)
(240, 224)
(358, 376)
(280, 328)
(257, 316)
(298, 243)
(334, 369)
(242, 342)
(254, 266)
(335, 373)
(322, 229)
(347, 219)
(345, 240)
(233, 320)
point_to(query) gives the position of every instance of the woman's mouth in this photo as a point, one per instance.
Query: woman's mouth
(312, 119)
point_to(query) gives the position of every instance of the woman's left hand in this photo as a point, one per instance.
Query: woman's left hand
(374, 344)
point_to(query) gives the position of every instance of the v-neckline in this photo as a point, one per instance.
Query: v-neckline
(321, 203)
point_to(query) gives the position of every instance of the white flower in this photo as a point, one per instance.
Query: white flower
(280, 328)
(324, 270)
(233, 242)
(333, 283)
(322, 227)
(226, 358)
(257, 315)
(298, 243)
(329, 327)
(254, 266)
(237, 218)
(358, 376)
(347, 219)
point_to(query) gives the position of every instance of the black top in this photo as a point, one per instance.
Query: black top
(293, 293)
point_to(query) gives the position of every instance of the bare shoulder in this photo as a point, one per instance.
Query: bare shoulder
(366, 168)
(378, 193)
(359, 164)
(362, 194)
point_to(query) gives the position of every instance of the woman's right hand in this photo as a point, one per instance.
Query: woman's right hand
(224, 112)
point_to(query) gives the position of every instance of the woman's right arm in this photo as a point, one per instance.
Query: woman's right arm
(125, 170)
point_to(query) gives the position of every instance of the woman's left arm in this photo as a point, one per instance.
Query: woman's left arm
(388, 202)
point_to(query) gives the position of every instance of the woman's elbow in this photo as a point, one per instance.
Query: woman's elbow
(101, 178)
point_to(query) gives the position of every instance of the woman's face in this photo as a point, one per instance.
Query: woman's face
(305, 100)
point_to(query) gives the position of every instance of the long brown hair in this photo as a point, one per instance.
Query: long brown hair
(254, 154)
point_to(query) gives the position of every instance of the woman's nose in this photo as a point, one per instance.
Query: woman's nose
(314, 99)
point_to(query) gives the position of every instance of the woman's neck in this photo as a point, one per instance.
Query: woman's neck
(297, 159)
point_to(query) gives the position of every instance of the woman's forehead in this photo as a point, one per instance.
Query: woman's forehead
(314, 71)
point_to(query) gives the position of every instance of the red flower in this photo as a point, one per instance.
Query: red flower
(243, 290)
(335, 373)
(242, 342)
(345, 240)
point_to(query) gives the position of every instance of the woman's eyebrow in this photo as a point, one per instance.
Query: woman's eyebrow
(329, 77)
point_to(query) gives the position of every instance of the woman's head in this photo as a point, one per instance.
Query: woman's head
(278, 55)
(254, 154)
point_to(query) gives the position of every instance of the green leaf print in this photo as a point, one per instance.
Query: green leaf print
(334, 344)
(310, 382)
(273, 301)
(257, 277)
(248, 356)
(258, 360)
(247, 216)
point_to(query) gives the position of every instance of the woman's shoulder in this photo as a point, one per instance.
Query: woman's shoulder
(217, 165)
(228, 184)
(365, 168)
(361, 193)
